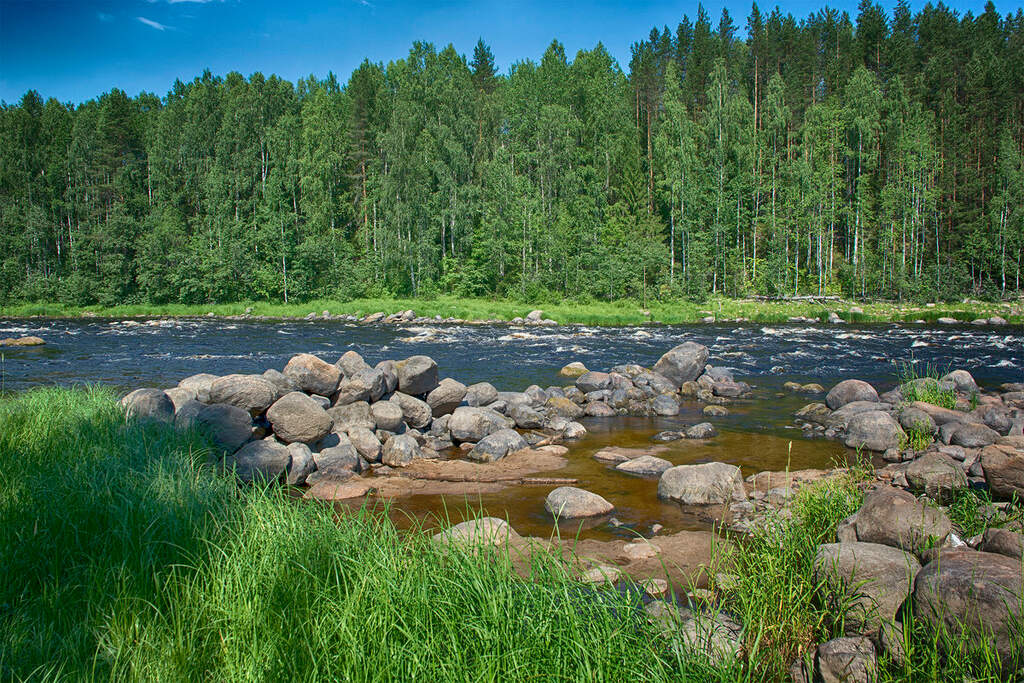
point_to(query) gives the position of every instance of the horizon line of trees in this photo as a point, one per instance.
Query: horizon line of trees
(877, 157)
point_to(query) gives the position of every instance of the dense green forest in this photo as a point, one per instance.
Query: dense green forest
(875, 156)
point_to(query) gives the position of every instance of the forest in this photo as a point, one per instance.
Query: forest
(876, 157)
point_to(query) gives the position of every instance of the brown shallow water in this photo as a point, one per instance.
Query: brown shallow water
(744, 440)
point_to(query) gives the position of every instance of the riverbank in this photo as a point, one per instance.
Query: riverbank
(124, 555)
(567, 312)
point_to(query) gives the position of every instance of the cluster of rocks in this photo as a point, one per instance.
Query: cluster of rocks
(980, 442)
(899, 556)
(535, 317)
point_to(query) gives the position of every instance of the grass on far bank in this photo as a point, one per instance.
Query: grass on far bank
(625, 312)
(123, 555)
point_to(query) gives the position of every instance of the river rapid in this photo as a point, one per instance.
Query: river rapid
(759, 433)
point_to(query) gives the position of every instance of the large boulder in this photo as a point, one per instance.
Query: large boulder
(847, 660)
(312, 375)
(840, 419)
(875, 431)
(915, 419)
(366, 443)
(893, 517)
(485, 531)
(356, 414)
(973, 435)
(297, 417)
(1004, 542)
(527, 417)
(684, 363)
(300, 465)
(284, 383)
(497, 445)
(645, 466)
(848, 391)
(569, 502)
(573, 370)
(973, 596)
(200, 384)
(260, 460)
(417, 413)
(564, 407)
(251, 393)
(473, 424)
(937, 475)
(665, 405)
(364, 385)
(942, 415)
(446, 397)
(878, 578)
(417, 375)
(388, 415)
(227, 426)
(336, 459)
(400, 450)
(480, 394)
(148, 404)
(593, 381)
(351, 362)
(713, 483)
(1004, 471)
(390, 372)
(962, 380)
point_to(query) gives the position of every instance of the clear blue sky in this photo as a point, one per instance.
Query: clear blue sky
(75, 50)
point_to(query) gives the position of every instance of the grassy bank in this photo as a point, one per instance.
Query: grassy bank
(123, 555)
(594, 313)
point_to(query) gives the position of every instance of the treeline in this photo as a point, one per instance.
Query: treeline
(876, 157)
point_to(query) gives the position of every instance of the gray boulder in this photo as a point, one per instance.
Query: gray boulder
(569, 502)
(400, 450)
(840, 419)
(974, 436)
(665, 405)
(847, 660)
(645, 466)
(480, 394)
(366, 443)
(448, 396)
(599, 409)
(356, 414)
(875, 431)
(1004, 542)
(284, 383)
(364, 385)
(497, 445)
(713, 483)
(388, 415)
(148, 404)
(684, 363)
(390, 372)
(848, 391)
(1004, 471)
(936, 475)
(350, 363)
(180, 396)
(878, 578)
(312, 375)
(473, 424)
(704, 430)
(417, 413)
(265, 460)
(251, 393)
(300, 465)
(564, 407)
(297, 417)
(526, 417)
(227, 426)
(417, 375)
(976, 594)
(593, 381)
(200, 384)
(962, 380)
(486, 531)
(917, 420)
(896, 518)
(337, 459)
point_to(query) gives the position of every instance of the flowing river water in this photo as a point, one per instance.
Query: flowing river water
(757, 435)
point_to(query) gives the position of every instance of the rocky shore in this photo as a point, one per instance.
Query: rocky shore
(347, 430)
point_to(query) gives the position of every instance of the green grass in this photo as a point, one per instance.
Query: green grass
(627, 312)
(917, 438)
(928, 391)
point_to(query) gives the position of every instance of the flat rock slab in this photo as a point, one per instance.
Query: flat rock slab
(616, 454)
(338, 490)
(644, 466)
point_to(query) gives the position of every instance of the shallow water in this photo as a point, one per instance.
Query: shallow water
(755, 436)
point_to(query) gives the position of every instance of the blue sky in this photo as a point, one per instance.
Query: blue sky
(75, 50)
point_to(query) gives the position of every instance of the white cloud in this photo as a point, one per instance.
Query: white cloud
(153, 24)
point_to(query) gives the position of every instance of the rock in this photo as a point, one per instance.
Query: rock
(148, 404)
(417, 413)
(1004, 542)
(473, 424)
(356, 414)
(526, 417)
(962, 380)
(400, 450)
(200, 384)
(227, 426)
(332, 489)
(283, 383)
(847, 660)
(730, 389)
(712, 635)
(601, 574)
(312, 375)
(387, 415)
(840, 419)
(337, 459)
(875, 431)
(973, 435)
(977, 594)
(848, 391)
(448, 396)
(486, 531)
(480, 394)
(296, 417)
(645, 466)
(937, 475)
(417, 375)
(251, 393)
(665, 405)
(817, 413)
(350, 363)
(364, 385)
(943, 416)
(497, 445)
(1004, 472)
(704, 430)
(564, 407)
(917, 420)
(593, 381)
(260, 460)
(946, 320)
(715, 411)
(599, 409)
(683, 363)
(878, 578)
(535, 316)
(366, 443)
(22, 341)
(573, 370)
(574, 430)
(569, 502)
(896, 518)
(300, 465)
(712, 483)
